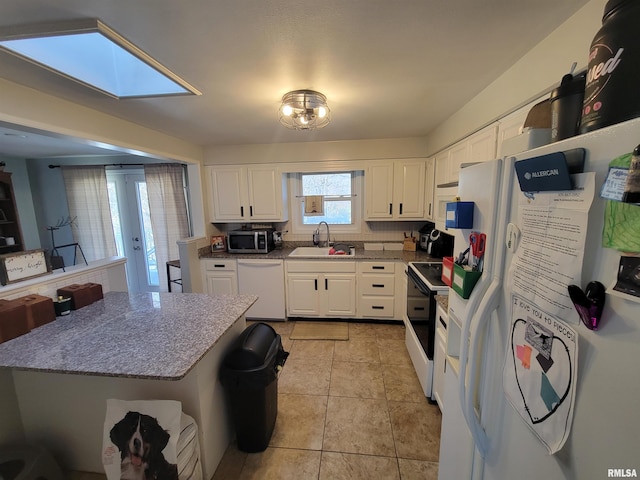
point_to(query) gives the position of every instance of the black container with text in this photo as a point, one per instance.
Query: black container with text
(611, 93)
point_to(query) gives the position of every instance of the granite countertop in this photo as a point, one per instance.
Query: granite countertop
(361, 254)
(138, 335)
(443, 301)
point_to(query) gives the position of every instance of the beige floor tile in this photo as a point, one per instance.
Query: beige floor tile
(393, 352)
(393, 331)
(231, 464)
(283, 328)
(358, 425)
(300, 422)
(401, 384)
(344, 466)
(356, 379)
(416, 430)
(304, 377)
(281, 464)
(312, 350)
(417, 470)
(357, 350)
(362, 330)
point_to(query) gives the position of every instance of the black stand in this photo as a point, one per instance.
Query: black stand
(55, 251)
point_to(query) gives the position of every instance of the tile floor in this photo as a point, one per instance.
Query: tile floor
(346, 410)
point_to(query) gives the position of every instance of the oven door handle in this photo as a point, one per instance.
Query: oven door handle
(418, 283)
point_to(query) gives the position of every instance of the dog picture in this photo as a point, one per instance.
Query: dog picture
(141, 439)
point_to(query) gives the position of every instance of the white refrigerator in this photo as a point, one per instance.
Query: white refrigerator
(483, 437)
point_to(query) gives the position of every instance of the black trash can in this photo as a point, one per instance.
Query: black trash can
(249, 374)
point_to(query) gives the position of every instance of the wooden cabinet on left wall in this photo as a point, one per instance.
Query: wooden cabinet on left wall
(10, 232)
(249, 193)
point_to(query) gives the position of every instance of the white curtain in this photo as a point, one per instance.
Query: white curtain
(168, 210)
(88, 201)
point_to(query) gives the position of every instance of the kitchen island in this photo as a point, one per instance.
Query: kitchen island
(130, 347)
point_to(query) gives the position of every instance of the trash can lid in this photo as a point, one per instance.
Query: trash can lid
(251, 348)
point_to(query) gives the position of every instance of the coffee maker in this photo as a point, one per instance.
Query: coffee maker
(440, 244)
(425, 232)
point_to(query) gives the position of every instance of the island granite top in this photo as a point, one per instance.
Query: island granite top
(137, 335)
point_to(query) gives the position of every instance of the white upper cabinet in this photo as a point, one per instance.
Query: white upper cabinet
(246, 194)
(479, 147)
(429, 188)
(482, 145)
(395, 190)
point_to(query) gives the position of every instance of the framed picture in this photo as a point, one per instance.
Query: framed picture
(15, 267)
(218, 244)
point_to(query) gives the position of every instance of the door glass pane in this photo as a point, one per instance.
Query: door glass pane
(147, 235)
(115, 217)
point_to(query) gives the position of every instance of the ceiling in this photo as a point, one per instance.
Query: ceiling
(389, 69)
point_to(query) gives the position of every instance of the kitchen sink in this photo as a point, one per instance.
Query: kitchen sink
(320, 252)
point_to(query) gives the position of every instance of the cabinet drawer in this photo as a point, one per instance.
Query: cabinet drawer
(221, 264)
(377, 306)
(377, 285)
(377, 267)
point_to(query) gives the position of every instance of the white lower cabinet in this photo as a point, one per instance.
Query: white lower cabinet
(440, 356)
(321, 288)
(377, 290)
(220, 276)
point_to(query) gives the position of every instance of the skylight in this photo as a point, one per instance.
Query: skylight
(94, 55)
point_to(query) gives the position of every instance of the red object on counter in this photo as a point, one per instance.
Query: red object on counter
(80, 295)
(40, 310)
(13, 320)
(447, 270)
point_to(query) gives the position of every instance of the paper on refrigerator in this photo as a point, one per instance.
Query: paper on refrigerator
(540, 372)
(553, 235)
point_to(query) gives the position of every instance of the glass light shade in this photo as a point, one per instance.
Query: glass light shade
(304, 110)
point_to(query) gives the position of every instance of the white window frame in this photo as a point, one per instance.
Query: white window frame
(297, 204)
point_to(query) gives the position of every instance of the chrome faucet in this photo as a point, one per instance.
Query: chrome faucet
(327, 225)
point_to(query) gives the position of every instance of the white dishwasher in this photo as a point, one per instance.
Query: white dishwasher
(264, 278)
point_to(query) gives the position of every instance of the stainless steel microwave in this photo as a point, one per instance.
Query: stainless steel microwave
(250, 241)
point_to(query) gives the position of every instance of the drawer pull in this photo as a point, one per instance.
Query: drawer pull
(377, 307)
(218, 265)
(442, 323)
(377, 285)
(378, 267)
(419, 309)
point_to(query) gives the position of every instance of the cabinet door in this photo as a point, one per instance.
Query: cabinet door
(439, 354)
(379, 192)
(222, 283)
(265, 193)
(339, 299)
(303, 294)
(229, 194)
(482, 145)
(458, 155)
(409, 179)
(442, 168)
(429, 188)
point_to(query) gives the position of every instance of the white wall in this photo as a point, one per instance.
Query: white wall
(540, 70)
(316, 151)
(31, 108)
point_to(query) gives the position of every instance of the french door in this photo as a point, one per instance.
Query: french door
(132, 229)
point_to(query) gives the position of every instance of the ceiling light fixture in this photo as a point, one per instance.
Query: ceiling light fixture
(89, 52)
(304, 110)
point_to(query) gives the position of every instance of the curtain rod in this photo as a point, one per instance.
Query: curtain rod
(111, 165)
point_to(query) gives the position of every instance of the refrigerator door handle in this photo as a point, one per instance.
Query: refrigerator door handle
(474, 330)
